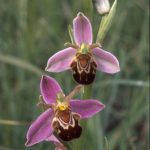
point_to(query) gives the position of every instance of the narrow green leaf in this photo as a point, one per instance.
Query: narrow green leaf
(106, 23)
(12, 122)
(71, 34)
(20, 63)
(124, 82)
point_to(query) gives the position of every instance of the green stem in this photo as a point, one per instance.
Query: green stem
(87, 91)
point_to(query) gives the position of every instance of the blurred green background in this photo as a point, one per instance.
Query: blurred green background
(32, 30)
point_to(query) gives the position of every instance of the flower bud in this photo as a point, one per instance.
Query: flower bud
(103, 6)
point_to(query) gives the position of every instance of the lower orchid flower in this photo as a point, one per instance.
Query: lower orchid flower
(83, 57)
(62, 116)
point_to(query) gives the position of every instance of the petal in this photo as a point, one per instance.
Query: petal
(59, 145)
(53, 139)
(40, 129)
(106, 61)
(49, 89)
(86, 108)
(61, 60)
(82, 29)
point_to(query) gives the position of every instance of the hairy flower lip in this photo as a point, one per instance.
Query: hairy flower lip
(41, 128)
(82, 30)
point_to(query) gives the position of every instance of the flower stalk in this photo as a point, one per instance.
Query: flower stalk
(87, 93)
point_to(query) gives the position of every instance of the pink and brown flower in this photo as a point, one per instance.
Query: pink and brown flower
(62, 115)
(83, 57)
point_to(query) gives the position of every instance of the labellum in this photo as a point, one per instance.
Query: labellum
(84, 68)
(66, 124)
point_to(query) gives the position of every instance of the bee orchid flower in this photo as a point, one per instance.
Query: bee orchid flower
(83, 57)
(62, 115)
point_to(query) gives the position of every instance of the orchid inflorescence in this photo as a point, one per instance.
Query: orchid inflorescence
(61, 119)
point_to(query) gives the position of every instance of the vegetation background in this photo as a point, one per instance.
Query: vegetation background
(32, 30)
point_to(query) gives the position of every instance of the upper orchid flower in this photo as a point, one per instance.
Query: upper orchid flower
(83, 57)
(62, 115)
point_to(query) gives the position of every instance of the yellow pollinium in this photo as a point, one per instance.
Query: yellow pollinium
(62, 105)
